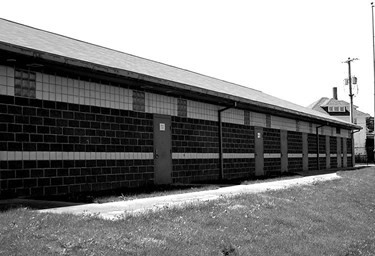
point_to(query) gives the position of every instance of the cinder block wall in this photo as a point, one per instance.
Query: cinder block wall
(68, 134)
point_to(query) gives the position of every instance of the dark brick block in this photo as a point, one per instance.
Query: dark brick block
(43, 164)
(22, 137)
(73, 107)
(50, 173)
(42, 129)
(56, 147)
(29, 128)
(41, 112)
(30, 164)
(49, 138)
(49, 121)
(29, 183)
(14, 128)
(29, 146)
(73, 123)
(68, 163)
(49, 104)
(15, 110)
(68, 147)
(23, 173)
(56, 164)
(22, 101)
(14, 146)
(15, 183)
(79, 148)
(79, 116)
(29, 111)
(62, 122)
(5, 118)
(5, 136)
(62, 190)
(56, 130)
(68, 115)
(61, 105)
(36, 138)
(36, 120)
(43, 147)
(50, 190)
(7, 99)
(36, 173)
(84, 108)
(35, 103)
(7, 174)
(56, 181)
(62, 172)
(3, 127)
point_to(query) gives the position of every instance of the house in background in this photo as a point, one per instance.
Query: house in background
(341, 109)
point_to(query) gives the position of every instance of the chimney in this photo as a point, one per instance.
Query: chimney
(335, 93)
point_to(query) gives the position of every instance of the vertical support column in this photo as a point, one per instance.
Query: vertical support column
(345, 153)
(305, 153)
(328, 153)
(339, 162)
(284, 150)
(353, 153)
(259, 151)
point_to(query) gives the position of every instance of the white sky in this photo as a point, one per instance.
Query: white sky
(291, 49)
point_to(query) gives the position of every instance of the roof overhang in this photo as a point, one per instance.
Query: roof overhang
(169, 87)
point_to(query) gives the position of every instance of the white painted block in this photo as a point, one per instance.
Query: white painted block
(3, 89)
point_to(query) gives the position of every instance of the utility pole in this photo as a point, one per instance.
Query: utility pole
(373, 56)
(351, 103)
(350, 88)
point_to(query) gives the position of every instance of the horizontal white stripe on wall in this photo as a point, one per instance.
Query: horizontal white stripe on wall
(212, 155)
(320, 155)
(333, 155)
(296, 155)
(349, 155)
(241, 155)
(46, 155)
(195, 155)
(272, 155)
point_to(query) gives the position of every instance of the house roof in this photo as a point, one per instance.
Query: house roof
(328, 102)
(19, 38)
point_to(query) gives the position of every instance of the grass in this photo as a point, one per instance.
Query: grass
(331, 218)
(154, 192)
(163, 190)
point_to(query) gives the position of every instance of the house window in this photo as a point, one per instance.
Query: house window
(338, 130)
(24, 83)
(330, 109)
(342, 109)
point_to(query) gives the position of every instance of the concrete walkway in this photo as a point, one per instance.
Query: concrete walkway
(115, 210)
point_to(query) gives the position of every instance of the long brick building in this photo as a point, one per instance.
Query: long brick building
(78, 117)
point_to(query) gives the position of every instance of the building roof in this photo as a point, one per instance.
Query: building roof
(19, 38)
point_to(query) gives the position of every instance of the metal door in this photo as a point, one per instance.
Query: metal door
(259, 156)
(284, 150)
(162, 149)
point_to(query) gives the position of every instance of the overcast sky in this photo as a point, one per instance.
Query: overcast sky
(291, 49)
